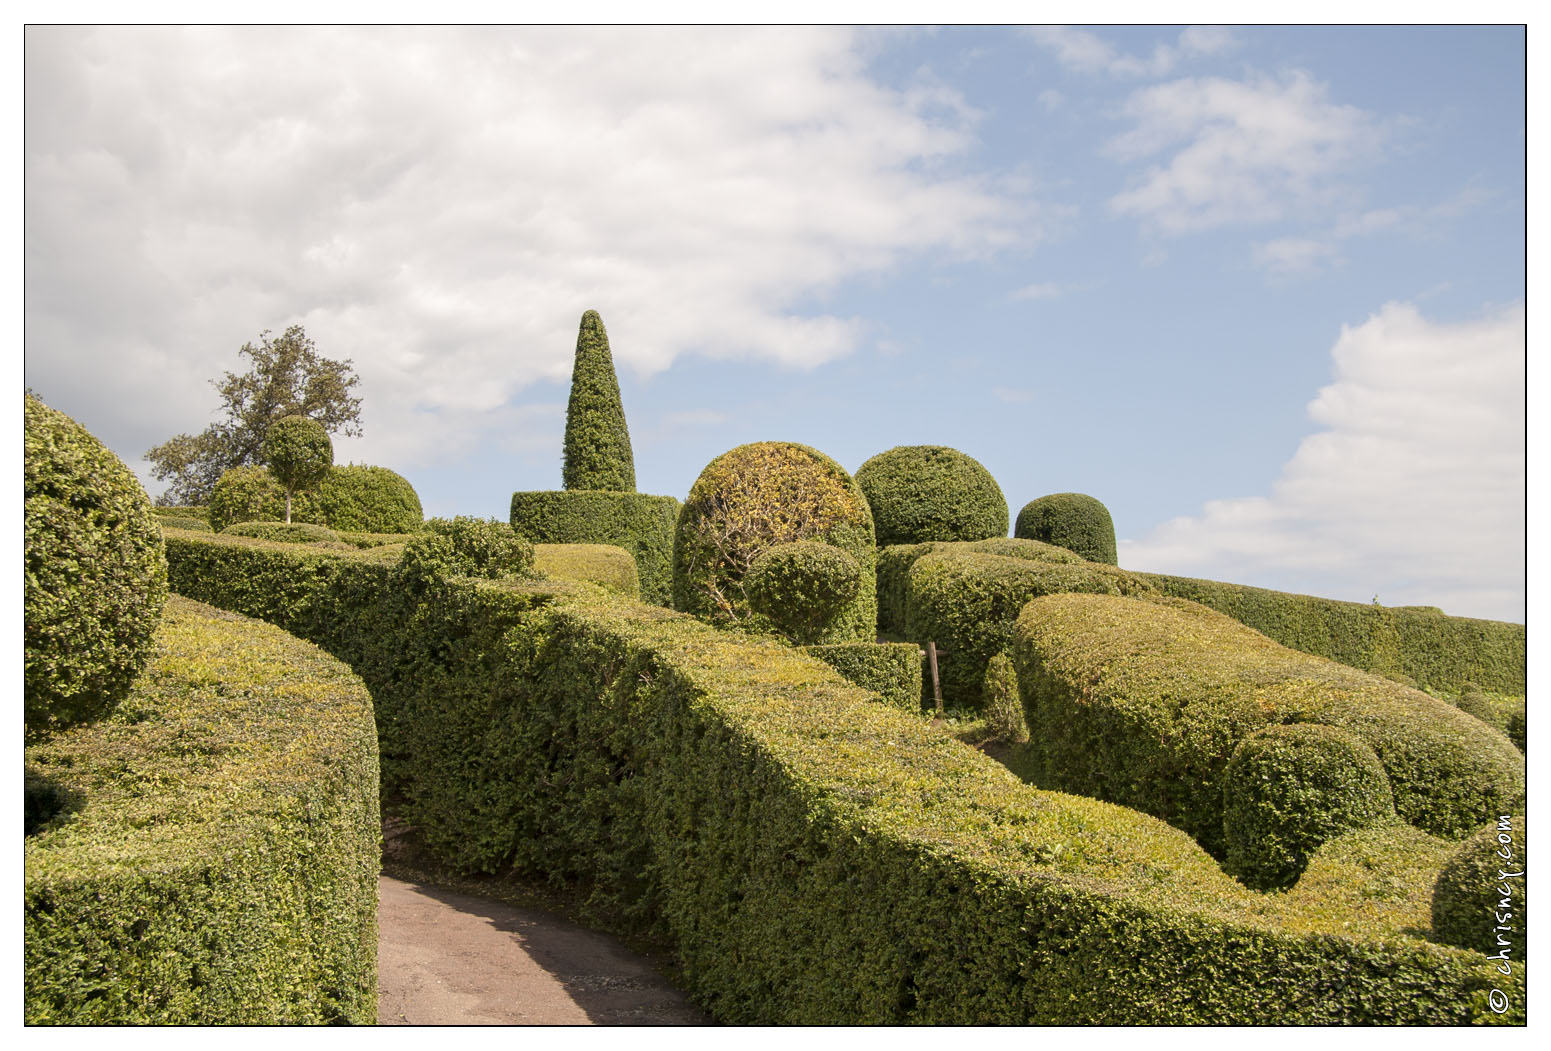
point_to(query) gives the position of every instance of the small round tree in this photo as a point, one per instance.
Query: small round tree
(299, 454)
(597, 442)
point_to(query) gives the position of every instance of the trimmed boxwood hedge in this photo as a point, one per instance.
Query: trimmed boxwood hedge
(1435, 651)
(920, 493)
(809, 855)
(639, 523)
(602, 564)
(1143, 702)
(215, 860)
(1480, 900)
(892, 670)
(894, 570)
(283, 532)
(1071, 520)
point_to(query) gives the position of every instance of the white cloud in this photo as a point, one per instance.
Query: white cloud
(1012, 395)
(1254, 151)
(1414, 490)
(441, 205)
(1086, 52)
(1046, 290)
(1311, 252)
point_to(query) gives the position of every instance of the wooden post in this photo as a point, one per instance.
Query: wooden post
(931, 660)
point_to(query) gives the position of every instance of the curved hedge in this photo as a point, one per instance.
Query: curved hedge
(1481, 898)
(1074, 521)
(752, 498)
(810, 855)
(95, 573)
(920, 493)
(603, 564)
(1287, 789)
(1426, 647)
(1143, 703)
(641, 524)
(216, 862)
(359, 498)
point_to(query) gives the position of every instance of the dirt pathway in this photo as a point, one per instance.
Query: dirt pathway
(446, 958)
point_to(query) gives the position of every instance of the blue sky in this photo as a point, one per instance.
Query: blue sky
(1261, 291)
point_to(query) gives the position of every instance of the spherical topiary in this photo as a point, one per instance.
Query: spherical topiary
(597, 442)
(1289, 788)
(801, 587)
(752, 498)
(96, 573)
(468, 547)
(298, 453)
(1482, 881)
(1071, 520)
(252, 494)
(282, 532)
(920, 493)
(362, 499)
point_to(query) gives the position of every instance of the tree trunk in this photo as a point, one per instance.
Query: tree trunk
(288, 507)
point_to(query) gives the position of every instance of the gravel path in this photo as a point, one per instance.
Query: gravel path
(446, 958)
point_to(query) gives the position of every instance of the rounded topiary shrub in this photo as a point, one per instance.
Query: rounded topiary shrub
(361, 499)
(1482, 881)
(282, 532)
(1071, 520)
(801, 587)
(96, 573)
(1289, 788)
(752, 498)
(468, 547)
(920, 493)
(252, 494)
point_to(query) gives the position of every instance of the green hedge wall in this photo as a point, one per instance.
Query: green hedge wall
(810, 855)
(641, 524)
(216, 859)
(892, 670)
(1435, 651)
(602, 564)
(1142, 703)
(894, 564)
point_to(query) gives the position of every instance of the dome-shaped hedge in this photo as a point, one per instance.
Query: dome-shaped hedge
(801, 587)
(96, 573)
(362, 499)
(1487, 868)
(920, 493)
(752, 498)
(1289, 788)
(1071, 520)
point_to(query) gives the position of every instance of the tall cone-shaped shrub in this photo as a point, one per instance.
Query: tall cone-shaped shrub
(597, 443)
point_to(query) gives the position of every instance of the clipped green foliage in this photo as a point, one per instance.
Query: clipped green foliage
(252, 494)
(1290, 788)
(1004, 708)
(801, 587)
(298, 453)
(894, 570)
(359, 498)
(95, 573)
(967, 602)
(1441, 653)
(808, 855)
(597, 442)
(641, 524)
(1480, 900)
(892, 670)
(215, 861)
(603, 564)
(190, 511)
(283, 532)
(752, 498)
(199, 525)
(1071, 520)
(920, 493)
(1143, 703)
(468, 547)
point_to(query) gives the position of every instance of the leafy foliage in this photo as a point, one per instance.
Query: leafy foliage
(288, 377)
(603, 564)
(639, 523)
(920, 493)
(362, 499)
(892, 670)
(1074, 521)
(597, 442)
(283, 532)
(252, 494)
(801, 587)
(468, 547)
(95, 573)
(1480, 900)
(299, 454)
(1004, 708)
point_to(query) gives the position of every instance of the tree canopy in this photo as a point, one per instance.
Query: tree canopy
(288, 377)
(299, 454)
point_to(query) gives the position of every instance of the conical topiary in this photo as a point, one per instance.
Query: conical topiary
(597, 443)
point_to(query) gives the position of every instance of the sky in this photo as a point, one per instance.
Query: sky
(1260, 291)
